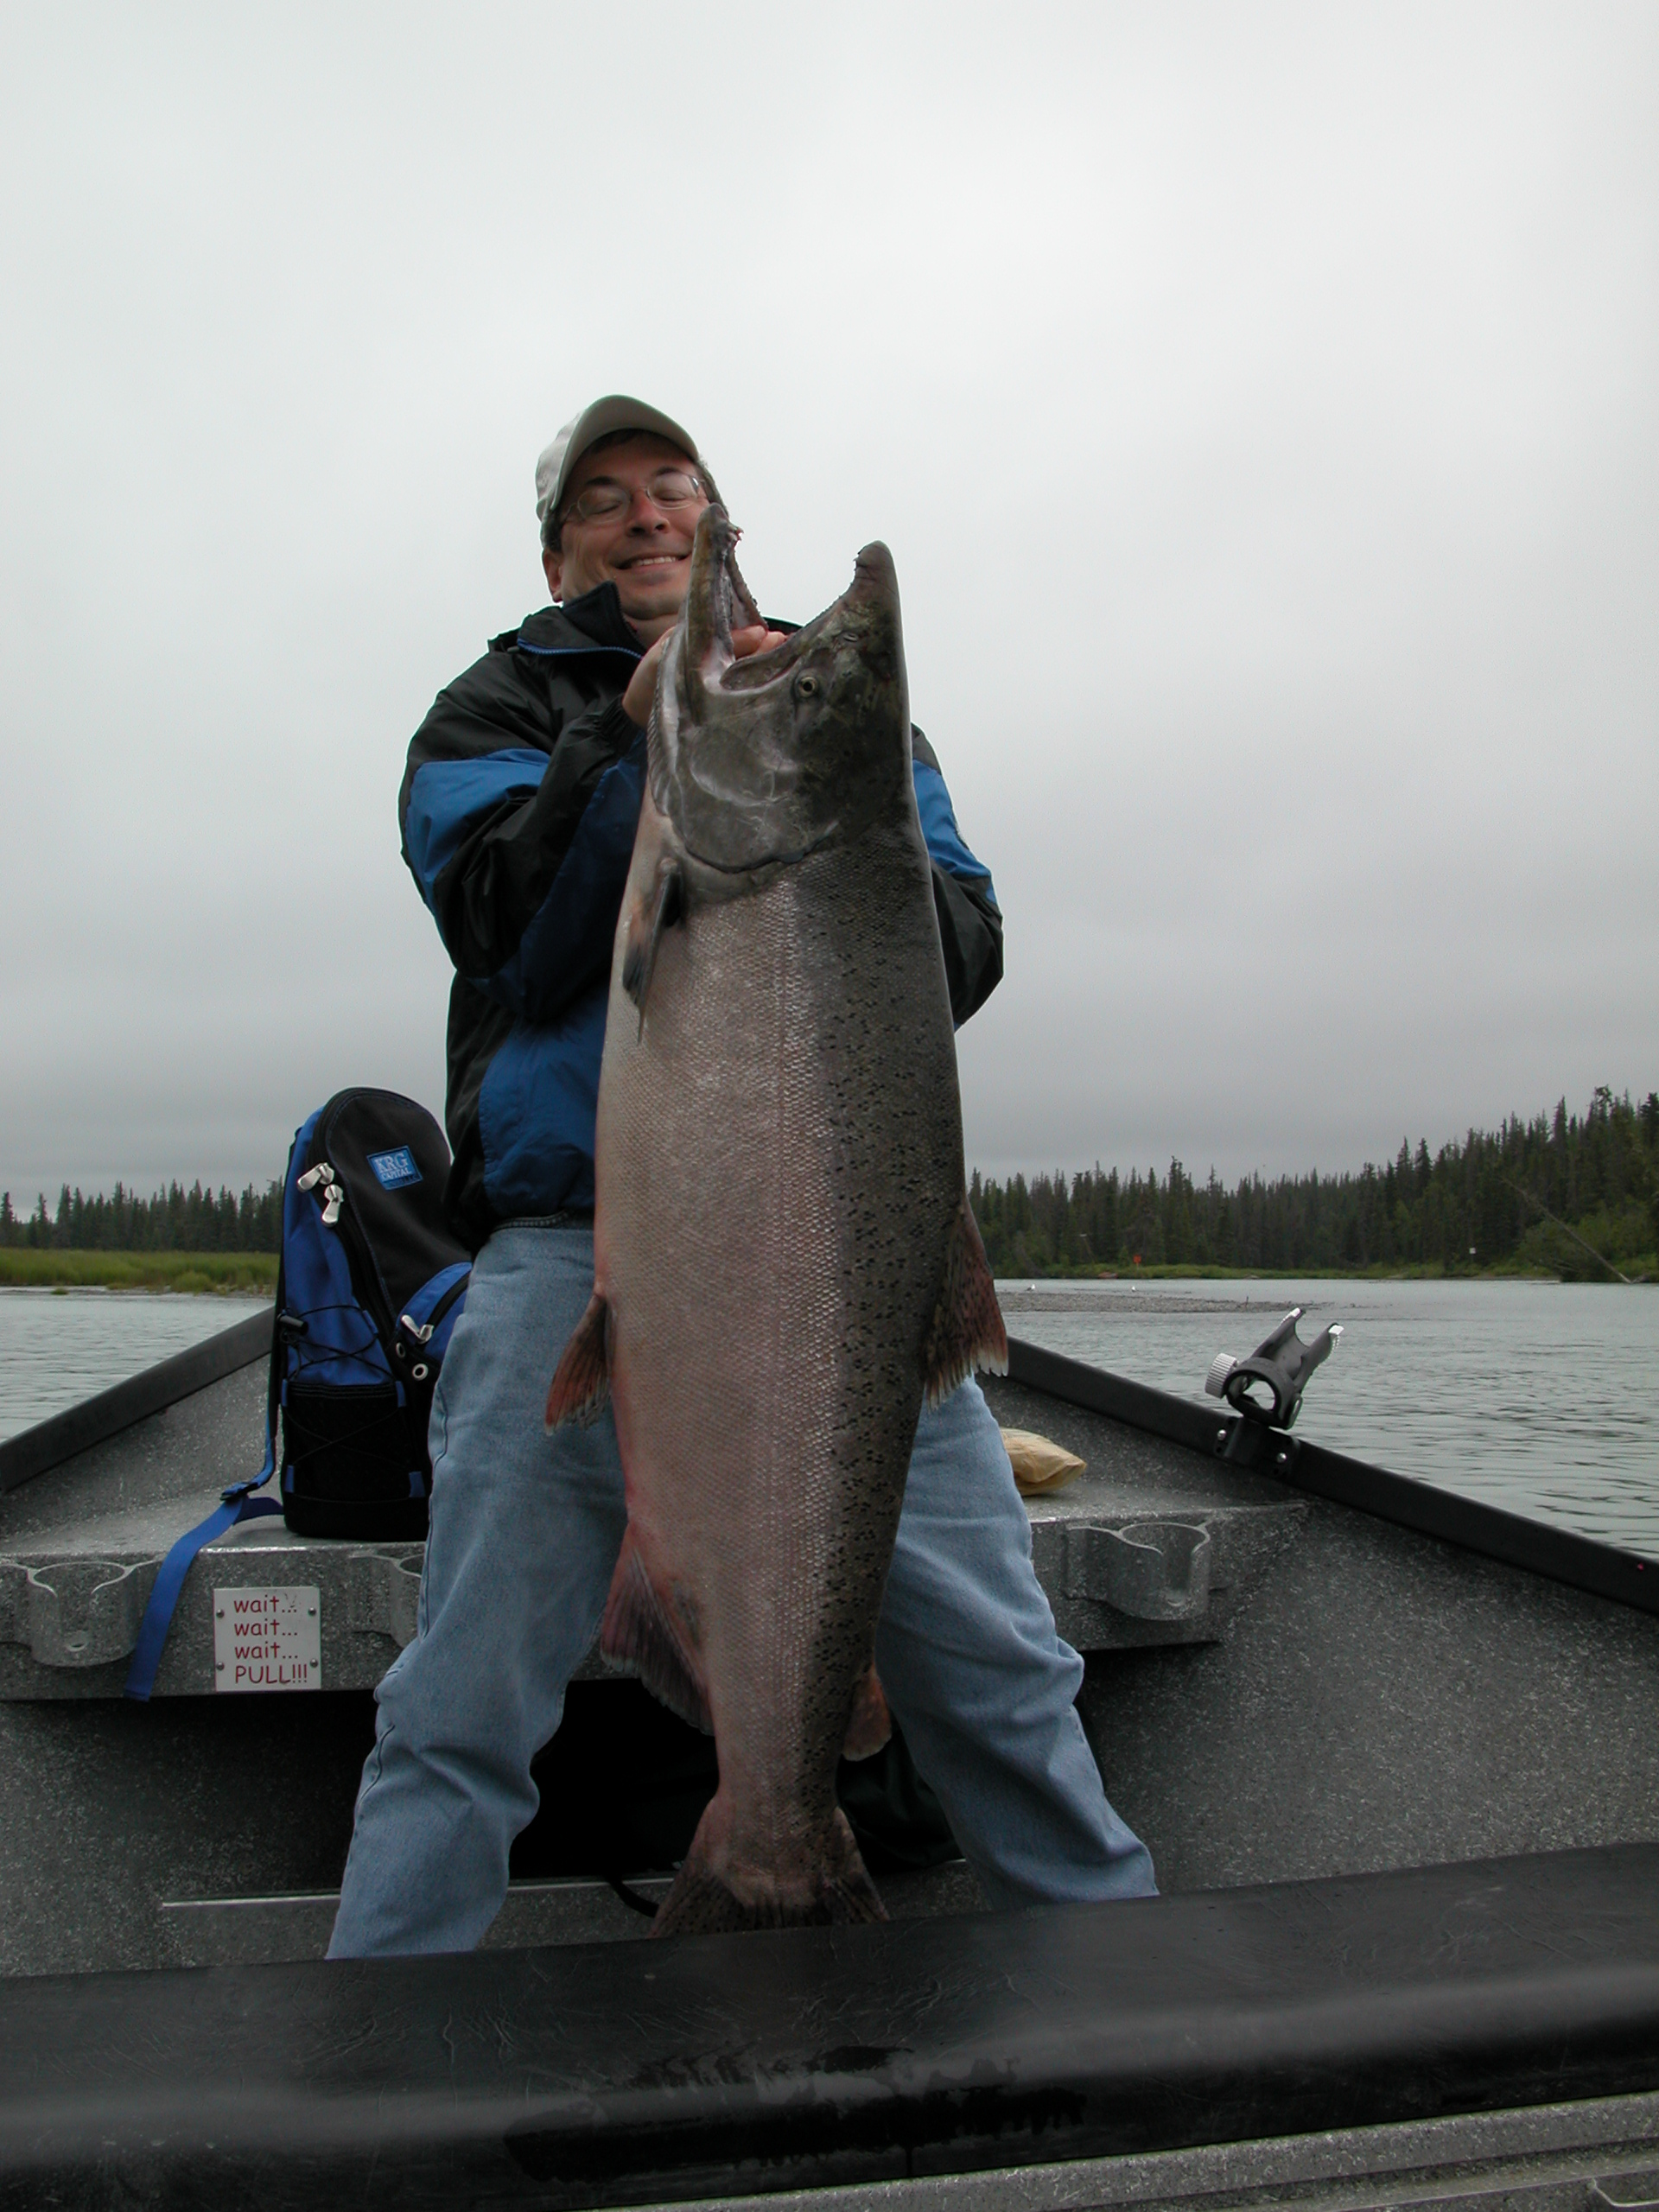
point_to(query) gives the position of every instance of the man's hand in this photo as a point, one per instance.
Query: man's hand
(642, 684)
(754, 637)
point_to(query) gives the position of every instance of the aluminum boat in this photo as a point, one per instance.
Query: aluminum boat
(1395, 1753)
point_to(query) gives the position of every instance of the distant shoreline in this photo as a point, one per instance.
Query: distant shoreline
(1418, 1271)
(221, 1274)
(253, 1274)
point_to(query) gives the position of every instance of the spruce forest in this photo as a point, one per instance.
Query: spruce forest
(173, 1220)
(1480, 1203)
(1476, 1205)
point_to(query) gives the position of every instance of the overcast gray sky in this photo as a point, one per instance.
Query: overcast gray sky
(1261, 404)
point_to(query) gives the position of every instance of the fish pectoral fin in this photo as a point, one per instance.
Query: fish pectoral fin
(967, 1330)
(639, 1636)
(645, 931)
(581, 1381)
(871, 1724)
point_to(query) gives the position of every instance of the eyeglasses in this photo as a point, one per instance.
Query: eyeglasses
(670, 489)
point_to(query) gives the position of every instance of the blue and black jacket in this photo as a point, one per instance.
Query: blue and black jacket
(518, 810)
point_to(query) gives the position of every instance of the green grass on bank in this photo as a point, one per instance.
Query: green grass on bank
(247, 1274)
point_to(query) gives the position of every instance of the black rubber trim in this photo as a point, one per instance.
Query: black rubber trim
(1559, 1554)
(49, 1443)
(630, 2074)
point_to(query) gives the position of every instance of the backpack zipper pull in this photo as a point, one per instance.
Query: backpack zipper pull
(333, 1193)
(420, 1334)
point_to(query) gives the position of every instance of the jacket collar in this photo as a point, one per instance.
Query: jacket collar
(578, 625)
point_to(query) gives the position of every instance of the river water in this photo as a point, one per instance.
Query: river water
(1541, 1398)
(59, 1346)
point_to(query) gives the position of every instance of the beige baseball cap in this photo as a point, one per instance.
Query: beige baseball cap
(615, 412)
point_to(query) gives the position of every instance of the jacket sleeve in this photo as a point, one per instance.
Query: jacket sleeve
(970, 921)
(521, 853)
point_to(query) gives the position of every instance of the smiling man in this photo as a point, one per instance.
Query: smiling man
(519, 808)
(626, 515)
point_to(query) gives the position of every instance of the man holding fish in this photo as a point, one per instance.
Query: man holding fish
(762, 919)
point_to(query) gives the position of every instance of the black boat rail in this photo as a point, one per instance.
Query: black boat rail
(725, 2066)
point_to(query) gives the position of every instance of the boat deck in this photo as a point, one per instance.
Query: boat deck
(1279, 1686)
(81, 1541)
(1396, 1757)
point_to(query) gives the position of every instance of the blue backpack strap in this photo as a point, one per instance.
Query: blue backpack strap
(236, 1504)
(239, 1504)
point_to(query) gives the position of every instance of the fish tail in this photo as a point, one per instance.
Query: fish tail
(712, 1895)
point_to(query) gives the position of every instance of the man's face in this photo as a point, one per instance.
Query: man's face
(643, 549)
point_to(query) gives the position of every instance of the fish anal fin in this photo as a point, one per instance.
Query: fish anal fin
(647, 919)
(967, 1330)
(639, 1636)
(581, 1381)
(871, 1724)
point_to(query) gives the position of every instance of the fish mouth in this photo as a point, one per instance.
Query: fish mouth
(869, 605)
(761, 763)
(874, 578)
(715, 590)
(867, 614)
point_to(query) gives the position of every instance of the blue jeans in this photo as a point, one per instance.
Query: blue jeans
(525, 1530)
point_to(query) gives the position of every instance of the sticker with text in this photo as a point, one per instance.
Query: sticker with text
(395, 1170)
(267, 1639)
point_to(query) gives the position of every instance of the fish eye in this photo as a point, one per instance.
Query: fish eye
(807, 686)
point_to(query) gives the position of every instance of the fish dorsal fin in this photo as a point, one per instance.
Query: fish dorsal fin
(581, 1381)
(967, 1330)
(640, 1636)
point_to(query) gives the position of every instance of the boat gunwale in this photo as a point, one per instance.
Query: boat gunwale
(61, 1437)
(1537, 1547)
(1513, 1539)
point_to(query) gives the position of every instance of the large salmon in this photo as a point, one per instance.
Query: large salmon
(785, 1263)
